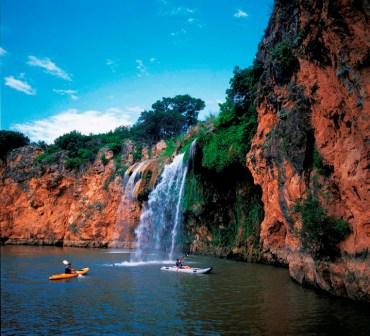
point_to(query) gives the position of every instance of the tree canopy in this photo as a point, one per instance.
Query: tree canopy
(168, 118)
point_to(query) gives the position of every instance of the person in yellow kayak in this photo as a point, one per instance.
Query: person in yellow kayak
(68, 269)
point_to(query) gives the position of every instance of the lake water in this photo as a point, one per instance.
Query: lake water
(117, 299)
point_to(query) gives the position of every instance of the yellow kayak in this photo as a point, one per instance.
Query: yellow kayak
(61, 276)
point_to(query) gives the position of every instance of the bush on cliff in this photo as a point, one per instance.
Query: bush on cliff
(319, 164)
(10, 140)
(227, 146)
(170, 149)
(71, 141)
(284, 62)
(320, 233)
(82, 149)
(235, 125)
(49, 156)
(113, 139)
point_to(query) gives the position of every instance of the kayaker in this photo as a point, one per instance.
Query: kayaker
(179, 263)
(68, 269)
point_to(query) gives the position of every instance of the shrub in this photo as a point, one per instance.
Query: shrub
(224, 236)
(10, 140)
(319, 164)
(108, 181)
(283, 113)
(170, 149)
(115, 147)
(71, 141)
(42, 144)
(138, 152)
(284, 62)
(74, 163)
(74, 228)
(86, 154)
(227, 146)
(320, 233)
(49, 155)
(235, 125)
(104, 160)
(254, 218)
(120, 170)
(193, 198)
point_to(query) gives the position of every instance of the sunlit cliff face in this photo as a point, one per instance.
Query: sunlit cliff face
(330, 43)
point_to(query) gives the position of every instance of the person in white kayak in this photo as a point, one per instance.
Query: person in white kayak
(179, 263)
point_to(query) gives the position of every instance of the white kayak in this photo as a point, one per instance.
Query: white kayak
(187, 269)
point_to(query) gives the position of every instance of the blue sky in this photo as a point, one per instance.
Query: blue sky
(93, 65)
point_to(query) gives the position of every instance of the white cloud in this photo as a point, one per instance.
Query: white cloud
(49, 67)
(179, 32)
(141, 68)
(181, 11)
(240, 14)
(86, 122)
(134, 109)
(113, 65)
(2, 52)
(71, 93)
(19, 85)
(153, 60)
(191, 20)
(167, 8)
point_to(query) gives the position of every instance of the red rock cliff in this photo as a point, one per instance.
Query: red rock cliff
(320, 99)
(48, 205)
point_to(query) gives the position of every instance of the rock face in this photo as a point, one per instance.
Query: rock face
(48, 205)
(312, 140)
(320, 102)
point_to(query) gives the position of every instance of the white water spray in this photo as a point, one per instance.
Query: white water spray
(161, 218)
(128, 185)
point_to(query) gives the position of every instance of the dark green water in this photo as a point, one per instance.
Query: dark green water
(236, 299)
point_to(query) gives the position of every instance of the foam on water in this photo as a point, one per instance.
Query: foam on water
(143, 263)
(124, 251)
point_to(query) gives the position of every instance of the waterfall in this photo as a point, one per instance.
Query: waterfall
(129, 182)
(161, 217)
(126, 204)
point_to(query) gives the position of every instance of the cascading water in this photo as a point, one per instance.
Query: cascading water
(161, 218)
(128, 185)
(129, 182)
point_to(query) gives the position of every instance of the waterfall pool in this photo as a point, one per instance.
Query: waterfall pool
(119, 297)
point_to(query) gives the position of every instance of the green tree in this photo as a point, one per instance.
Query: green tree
(184, 106)
(168, 118)
(10, 140)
